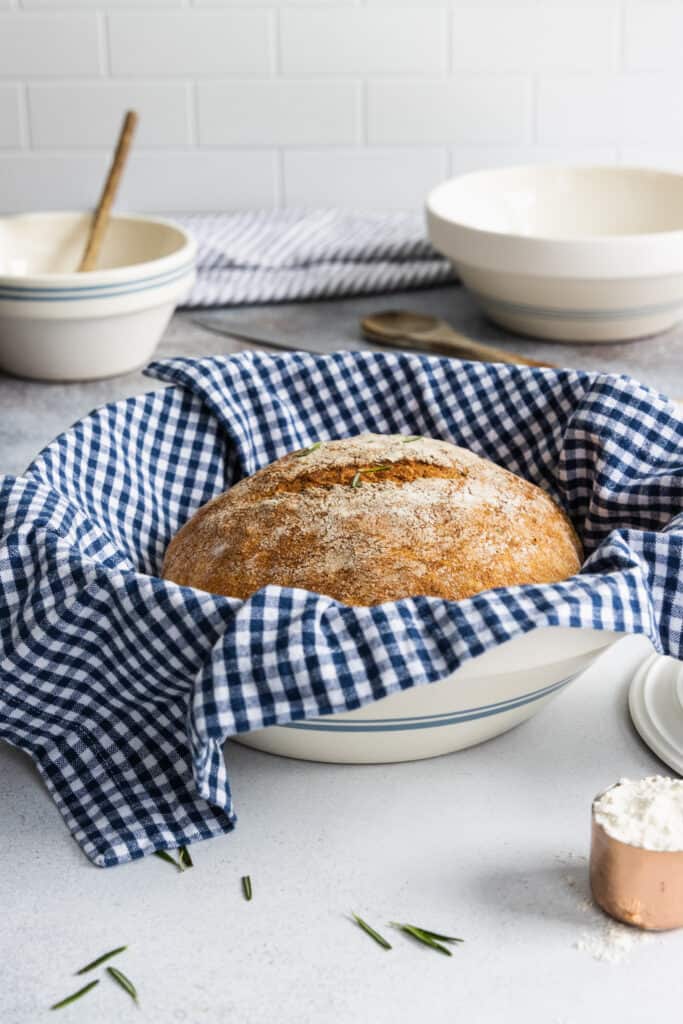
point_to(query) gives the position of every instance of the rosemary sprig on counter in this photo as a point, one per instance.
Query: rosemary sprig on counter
(184, 860)
(428, 938)
(307, 451)
(246, 887)
(75, 995)
(379, 939)
(118, 976)
(125, 983)
(101, 959)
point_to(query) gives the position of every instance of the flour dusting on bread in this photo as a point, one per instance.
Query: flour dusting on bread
(375, 518)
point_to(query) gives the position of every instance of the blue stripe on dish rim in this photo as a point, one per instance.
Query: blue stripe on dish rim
(17, 293)
(337, 724)
(543, 312)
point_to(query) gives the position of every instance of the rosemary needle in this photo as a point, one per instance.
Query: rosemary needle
(125, 983)
(307, 451)
(101, 959)
(164, 855)
(437, 936)
(356, 482)
(246, 887)
(413, 437)
(379, 939)
(75, 995)
(184, 859)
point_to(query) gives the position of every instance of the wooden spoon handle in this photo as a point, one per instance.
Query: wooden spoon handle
(100, 221)
(451, 341)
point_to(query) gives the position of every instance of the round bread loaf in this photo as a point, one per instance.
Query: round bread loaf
(376, 518)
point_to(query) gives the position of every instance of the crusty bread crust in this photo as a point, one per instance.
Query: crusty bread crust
(376, 518)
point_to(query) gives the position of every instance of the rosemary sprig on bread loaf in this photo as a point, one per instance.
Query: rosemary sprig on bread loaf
(373, 518)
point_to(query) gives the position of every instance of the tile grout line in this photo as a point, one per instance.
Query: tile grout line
(534, 100)
(362, 108)
(193, 120)
(103, 44)
(25, 127)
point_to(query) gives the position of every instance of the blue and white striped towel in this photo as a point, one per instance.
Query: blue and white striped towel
(285, 255)
(123, 686)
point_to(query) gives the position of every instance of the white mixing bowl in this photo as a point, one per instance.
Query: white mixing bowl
(487, 696)
(57, 324)
(566, 253)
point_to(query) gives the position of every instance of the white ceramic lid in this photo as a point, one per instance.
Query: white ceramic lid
(656, 706)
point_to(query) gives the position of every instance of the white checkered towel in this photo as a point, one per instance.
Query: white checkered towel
(285, 255)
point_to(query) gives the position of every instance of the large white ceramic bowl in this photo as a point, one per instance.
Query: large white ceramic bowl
(57, 324)
(566, 253)
(487, 696)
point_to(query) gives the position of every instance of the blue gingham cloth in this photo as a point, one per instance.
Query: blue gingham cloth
(123, 687)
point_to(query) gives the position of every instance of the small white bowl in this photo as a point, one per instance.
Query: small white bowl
(57, 324)
(567, 253)
(487, 696)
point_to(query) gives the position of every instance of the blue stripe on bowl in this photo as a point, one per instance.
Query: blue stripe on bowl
(547, 313)
(336, 724)
(17, 293)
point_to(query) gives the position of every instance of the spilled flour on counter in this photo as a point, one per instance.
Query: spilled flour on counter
(611, 941)
(602, 938)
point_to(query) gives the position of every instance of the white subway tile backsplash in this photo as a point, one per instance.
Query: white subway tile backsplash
(664, 158)
(411, 3)
(362, 178)
(477, 158)
(529, 36)
(97, 5)
(278, 112)
(176, 180)
(48, 44)
(10, 117)
(610, 108)
(467, 108)
(353, 102)
(202, 180)
(490, 4)
(34, 181)
(364, 41)
(653, 35)
(163, 110)
(190, 42)
(278, 3)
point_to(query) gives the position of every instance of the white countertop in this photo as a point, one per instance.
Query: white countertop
(485, 843)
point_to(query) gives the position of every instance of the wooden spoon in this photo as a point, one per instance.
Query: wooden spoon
(100, 221)
(401, 329)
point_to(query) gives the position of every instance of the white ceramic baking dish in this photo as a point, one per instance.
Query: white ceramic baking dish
(576, 253)
(57, 324)
(487, 696)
